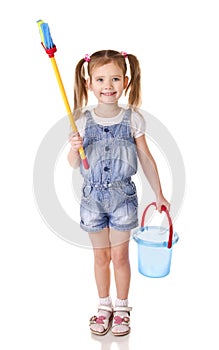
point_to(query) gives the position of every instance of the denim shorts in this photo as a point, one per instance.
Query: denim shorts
(109, 205)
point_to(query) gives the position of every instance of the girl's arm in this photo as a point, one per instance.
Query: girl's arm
(73, 155)
(150, 170)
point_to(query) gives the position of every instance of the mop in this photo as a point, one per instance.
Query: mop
(50, 48)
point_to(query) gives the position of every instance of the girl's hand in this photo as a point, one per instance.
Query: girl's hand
(160, 200)
(76, 141)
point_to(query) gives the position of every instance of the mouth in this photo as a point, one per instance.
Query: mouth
(108, 93)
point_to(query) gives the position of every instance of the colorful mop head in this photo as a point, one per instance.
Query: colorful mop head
(50, 48)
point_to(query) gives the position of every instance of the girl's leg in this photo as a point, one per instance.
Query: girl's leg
(102, 257)
(120, 259)
(122, 273)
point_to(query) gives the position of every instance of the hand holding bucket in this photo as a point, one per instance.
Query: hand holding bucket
(155, 246)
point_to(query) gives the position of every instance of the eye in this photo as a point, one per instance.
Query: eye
(116, 79)
(100, 80)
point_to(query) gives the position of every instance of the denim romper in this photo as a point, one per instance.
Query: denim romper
(109, 197)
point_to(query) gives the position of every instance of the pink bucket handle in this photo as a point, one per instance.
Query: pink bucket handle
(163, 208)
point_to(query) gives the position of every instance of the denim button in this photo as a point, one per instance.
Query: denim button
(106, 129)
(106, 168)
(107, 148)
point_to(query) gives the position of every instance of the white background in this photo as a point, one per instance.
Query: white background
(47, 291)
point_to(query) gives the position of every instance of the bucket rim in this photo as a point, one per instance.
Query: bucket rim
(153, 244)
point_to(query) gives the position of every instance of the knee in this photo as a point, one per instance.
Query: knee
(119, 259)
(102, 257)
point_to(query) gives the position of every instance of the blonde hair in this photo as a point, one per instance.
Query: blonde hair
(101, 58)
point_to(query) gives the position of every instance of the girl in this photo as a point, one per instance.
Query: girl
(113, 138)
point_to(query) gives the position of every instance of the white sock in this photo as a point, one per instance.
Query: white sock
(121, 302)
(106, 301)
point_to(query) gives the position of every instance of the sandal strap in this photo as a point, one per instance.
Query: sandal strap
(105, 308)
(122, 309)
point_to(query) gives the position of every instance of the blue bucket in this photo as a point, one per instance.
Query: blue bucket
(155, 245)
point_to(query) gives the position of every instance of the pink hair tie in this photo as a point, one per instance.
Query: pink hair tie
(123, 53)
(87, 58)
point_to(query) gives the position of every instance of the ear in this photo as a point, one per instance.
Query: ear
(126, 80)
(88, 84)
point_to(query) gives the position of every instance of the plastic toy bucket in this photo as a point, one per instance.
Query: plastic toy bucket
(155, 246)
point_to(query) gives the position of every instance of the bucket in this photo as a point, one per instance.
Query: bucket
(155, 246)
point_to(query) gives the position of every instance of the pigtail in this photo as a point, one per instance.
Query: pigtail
(134, 85)
(80, 88)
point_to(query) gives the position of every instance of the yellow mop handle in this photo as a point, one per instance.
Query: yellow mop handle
(62, 89)
(68, 109)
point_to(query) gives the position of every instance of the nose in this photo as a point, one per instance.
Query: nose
(108, 85)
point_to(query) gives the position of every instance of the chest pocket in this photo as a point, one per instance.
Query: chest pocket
(92, 134)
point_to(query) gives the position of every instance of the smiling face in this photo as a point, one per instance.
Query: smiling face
(107, 83)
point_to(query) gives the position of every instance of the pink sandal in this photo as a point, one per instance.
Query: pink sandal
(104, 320)
(121, 320)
